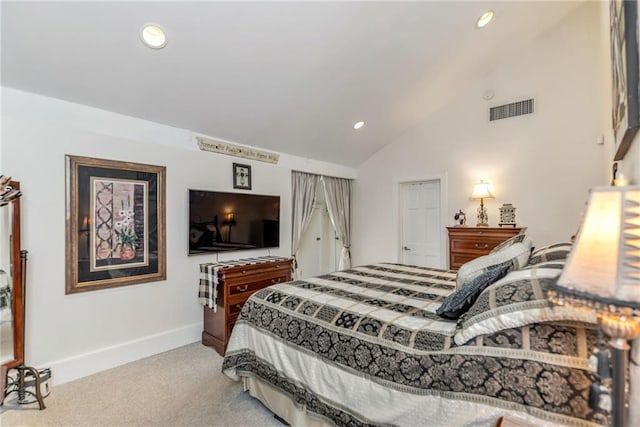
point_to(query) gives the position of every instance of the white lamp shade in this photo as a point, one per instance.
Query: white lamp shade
(481, 191)
(604, 263)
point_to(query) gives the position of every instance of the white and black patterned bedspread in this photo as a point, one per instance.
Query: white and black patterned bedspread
(344, 344)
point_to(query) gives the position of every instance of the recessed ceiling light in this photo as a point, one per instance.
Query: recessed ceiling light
(358, 125)
(484, 19)
(153, 36)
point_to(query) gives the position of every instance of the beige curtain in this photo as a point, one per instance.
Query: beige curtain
(337, 192)
(303, 189)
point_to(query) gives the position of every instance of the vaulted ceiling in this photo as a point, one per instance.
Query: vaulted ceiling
(287, 76)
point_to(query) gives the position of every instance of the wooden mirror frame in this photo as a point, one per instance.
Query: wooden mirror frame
(18, 267)
(17, 287)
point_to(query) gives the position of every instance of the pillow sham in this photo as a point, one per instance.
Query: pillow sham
(518, 238)
(457, 303)
(556, 251)
(517, 254)
(518, 299)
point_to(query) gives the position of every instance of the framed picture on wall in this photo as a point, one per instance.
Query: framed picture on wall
(625, 73)
(115, 223)
(241, 176)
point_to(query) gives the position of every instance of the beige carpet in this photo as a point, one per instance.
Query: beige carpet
(182, 387)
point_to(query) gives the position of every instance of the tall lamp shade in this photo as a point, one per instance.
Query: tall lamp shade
(602, 273)
(603, 268)
(481, 191)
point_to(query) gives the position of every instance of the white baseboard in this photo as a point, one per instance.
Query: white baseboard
(82, 365)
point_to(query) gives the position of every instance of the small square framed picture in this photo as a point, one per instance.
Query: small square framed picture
(241, 176)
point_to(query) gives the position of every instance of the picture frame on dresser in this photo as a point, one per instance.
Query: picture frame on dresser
(115, 223)
(625, 73)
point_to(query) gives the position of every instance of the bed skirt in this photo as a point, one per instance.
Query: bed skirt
(476, 415)
(281, 404)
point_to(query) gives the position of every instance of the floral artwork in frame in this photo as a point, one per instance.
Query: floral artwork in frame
(115, 224)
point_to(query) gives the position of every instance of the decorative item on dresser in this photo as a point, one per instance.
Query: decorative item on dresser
(467, 243)
(507, 215)
(481, 192)
(224, 288)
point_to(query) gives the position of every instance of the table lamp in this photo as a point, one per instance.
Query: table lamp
(481, 191)
(602, 274)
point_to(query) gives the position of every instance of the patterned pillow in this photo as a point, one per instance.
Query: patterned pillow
(518, 238)
(556, 251)
(517, 254)
(518, 299)
(457, 303)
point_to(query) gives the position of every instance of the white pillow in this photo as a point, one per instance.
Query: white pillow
(517, 253)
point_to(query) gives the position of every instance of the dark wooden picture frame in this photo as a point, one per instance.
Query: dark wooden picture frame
(625, 73)
(115, 223)
(241, 176)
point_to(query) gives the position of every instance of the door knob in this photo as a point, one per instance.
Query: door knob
(407, 248)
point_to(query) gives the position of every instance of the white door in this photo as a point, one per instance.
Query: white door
(319, 248)
(310, 251)
(421, 228)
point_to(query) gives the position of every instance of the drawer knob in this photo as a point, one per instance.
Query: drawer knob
(485, 246)
(244, 271)
(239, 306)
(242, 288)
(277, 265)
(275, 280)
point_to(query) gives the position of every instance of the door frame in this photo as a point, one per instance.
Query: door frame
(397, 213)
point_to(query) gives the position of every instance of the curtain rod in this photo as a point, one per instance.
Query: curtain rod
(322, 176)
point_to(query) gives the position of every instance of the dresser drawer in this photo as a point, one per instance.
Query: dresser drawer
(235, 305)
(481, 244)
(250, 273)
(251, 287)
(457, 259)
(468, 243)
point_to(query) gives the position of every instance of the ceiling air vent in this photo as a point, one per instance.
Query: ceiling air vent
(511, 110)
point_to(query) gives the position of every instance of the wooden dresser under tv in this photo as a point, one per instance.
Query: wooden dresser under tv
(236, 283)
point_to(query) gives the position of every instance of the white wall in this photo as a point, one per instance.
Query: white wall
(84, 333)
(542, 163)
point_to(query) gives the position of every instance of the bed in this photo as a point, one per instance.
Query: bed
(365, 346)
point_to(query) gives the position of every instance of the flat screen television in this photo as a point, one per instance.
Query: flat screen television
(221, 221)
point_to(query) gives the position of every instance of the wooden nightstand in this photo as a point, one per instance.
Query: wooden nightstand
(235, 285)
(467, 243)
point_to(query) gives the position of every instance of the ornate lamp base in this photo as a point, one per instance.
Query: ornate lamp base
(483, 217)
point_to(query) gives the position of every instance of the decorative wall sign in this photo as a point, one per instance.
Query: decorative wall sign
(222, 147)
(115, 224)
(241, 176)
(625, 73)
